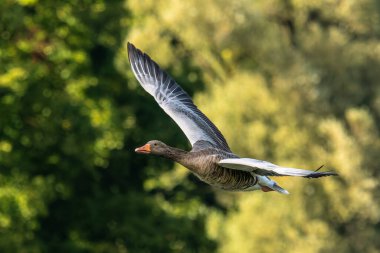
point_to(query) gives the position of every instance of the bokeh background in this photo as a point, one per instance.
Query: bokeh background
(290, 81)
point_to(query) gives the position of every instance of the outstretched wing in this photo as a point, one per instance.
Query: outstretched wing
(264, 168)
(174, 100)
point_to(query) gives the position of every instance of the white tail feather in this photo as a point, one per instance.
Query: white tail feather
(266, 181)
(279, 189)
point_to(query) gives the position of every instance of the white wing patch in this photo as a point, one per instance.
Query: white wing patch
(180, 114)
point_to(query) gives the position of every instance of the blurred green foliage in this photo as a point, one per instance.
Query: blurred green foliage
(294, 82)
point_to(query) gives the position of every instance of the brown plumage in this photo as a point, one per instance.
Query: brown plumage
(203, 162)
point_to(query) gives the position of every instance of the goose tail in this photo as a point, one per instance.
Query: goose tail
(279, 189)
(267, 185)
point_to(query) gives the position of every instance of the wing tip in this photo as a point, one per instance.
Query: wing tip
(135, 54)
(141, 62)
(322, 174)
(132, 51)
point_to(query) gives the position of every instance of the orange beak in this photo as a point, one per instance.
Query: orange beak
(144, 149)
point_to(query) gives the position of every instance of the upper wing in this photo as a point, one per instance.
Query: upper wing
(264, 168)
(174, 100)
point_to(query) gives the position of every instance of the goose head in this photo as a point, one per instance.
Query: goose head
(153, 147)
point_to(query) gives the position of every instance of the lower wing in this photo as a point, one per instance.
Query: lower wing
(264, 168)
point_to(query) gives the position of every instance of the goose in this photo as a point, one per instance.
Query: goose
(210, 158)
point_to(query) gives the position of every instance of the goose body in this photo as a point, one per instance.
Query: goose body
(204, 163)
(210, 158)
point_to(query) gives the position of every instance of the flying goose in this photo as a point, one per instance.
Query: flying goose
(210, 158)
